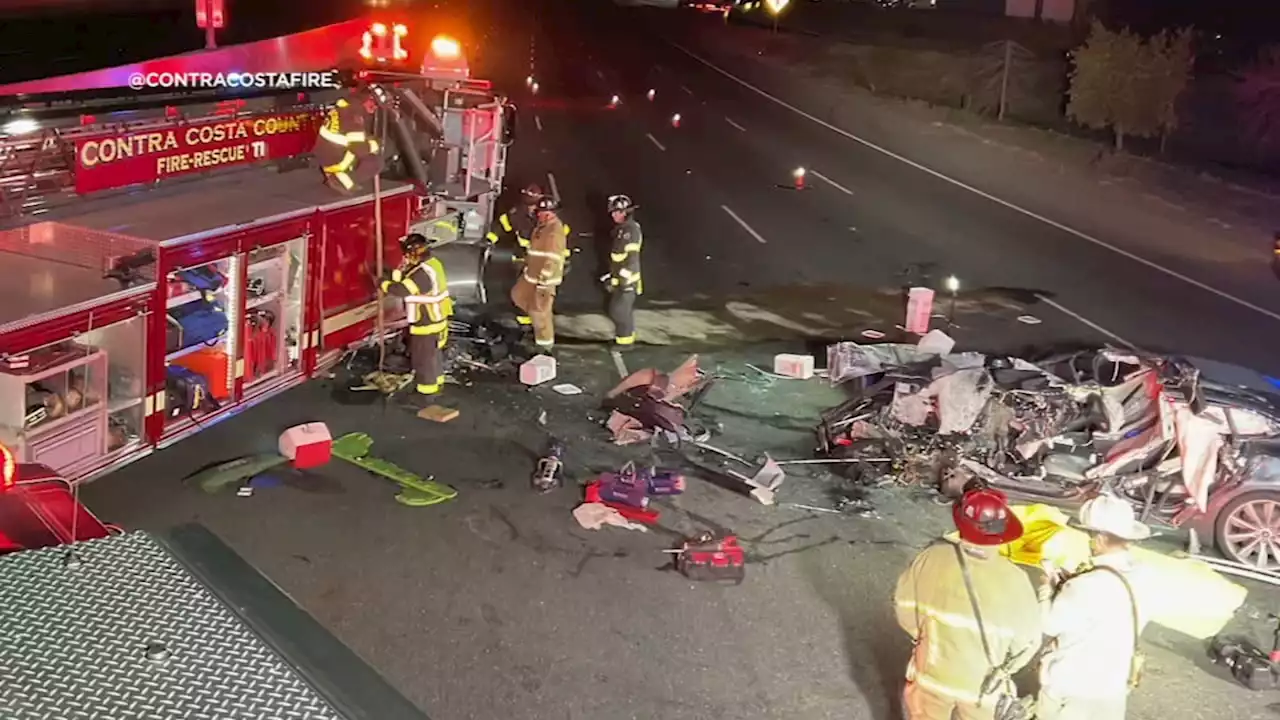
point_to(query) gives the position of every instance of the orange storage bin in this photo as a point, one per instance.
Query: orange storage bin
(211, 363)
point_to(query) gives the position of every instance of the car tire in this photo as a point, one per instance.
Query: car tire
(1247, 529)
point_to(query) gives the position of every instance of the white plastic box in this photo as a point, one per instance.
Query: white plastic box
(793, 366)
(538, 370)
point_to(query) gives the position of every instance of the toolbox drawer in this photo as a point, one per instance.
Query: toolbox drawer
(64, 448)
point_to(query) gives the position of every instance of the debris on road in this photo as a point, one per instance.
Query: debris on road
(788, 365)
(235, 472)
(566, 389)
(1163, 432)
(595, 494)
(1247, 663)
(549, 472)
(538, 370)
(308, 445)
(595, 515)
(416, 491)
(707, 558)
(762, 484)
(645, 401)
(438, 413)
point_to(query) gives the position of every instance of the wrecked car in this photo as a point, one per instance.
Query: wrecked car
(1190, 442)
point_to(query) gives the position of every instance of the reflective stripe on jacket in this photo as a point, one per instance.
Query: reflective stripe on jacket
(517, 221)
(345, 143)
(624, 257)
(425, 290)
(933, 606)
(544, 262)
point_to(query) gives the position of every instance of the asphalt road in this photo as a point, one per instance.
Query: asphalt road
(496, 604)
(719, 213)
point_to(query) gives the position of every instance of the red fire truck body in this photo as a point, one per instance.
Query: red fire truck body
(167, 272)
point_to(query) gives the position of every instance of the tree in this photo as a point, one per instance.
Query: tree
(1129, 85)
(1257, 90)
(1170, 62)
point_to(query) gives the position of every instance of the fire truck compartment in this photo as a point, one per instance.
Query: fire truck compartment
(171, 625)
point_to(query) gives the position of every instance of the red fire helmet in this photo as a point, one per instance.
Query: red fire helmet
(983, 517)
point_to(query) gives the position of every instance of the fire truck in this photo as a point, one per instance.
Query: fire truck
(175, 255)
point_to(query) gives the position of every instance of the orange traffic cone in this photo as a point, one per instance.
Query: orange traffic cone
(675, 120)
(651, 94)
(799, 175)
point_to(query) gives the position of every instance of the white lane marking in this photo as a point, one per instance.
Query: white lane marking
(555, 189)
(981, 193)
(537, 121)
(618, 364)
(831, 182)
(1086, 322)
(686, 89)
(731, 122)
(744, 224)
(600, 74)
(654, 140)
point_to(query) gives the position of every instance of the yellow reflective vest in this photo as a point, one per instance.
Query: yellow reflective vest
(425, 290)
(933, 606)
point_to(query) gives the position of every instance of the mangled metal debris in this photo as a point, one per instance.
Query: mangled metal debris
(1164, 432)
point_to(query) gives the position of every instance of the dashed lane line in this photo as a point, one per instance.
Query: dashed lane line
(1086, 322)
(555, 189)
(731, 122)
(752, 231)
(982, 193)
(537, 121)
(831, 182)
(654, 140)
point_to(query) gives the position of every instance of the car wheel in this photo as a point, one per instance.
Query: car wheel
(1248, 529)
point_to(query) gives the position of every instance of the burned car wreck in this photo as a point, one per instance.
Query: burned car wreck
(1190, 442)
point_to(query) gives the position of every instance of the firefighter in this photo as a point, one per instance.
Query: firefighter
(345, 146)
(421, 281)
(535, 290)
(963, 658)
(623, 283)
(1092, 660)
(519, 222)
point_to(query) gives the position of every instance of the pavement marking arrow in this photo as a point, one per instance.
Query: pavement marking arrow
(983, 194)
(831, 182)
(654, 140)
(744, 224)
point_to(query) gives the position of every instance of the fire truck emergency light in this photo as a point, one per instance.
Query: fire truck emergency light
(445, 47)
(214, 10)
(378, 40)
